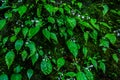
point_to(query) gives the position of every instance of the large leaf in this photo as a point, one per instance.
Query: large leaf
(32, 47)
(60, 62)
(73, 47)
(115, 57)
(34, 30)
(22, 10)
(3, 77)
(71, 22)
(46, 66)
(19, 44)
(2, 23)
(9, 58)
(30, 73)
(46, 33)
(16, 77)
(34, 58)
(81, 76)
(111, 37)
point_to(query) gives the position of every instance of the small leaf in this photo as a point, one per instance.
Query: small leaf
(24, 55)
(41, 52)
(70, 74)
(13, 38)
(79, 5)
(72, 46)
(115, 57)
(94, 35)
(86, 36)
(18, 44)
(39, 10)
(17, 30)
(51, 20)
(93, 22)
(3, 77)
(46, 66)
(22, 10)
(60, 62)
(105, 24)
(89, 74)
(102, 66)
(9, 58)
(111, 37)
(34, 58)
(71, 22)
(46, 33)
(85, 51)
(53, 36)
(105, 9)
(104, 42)
(18, 69)
(32, 47)
(30, 73)
(5, 40)
(2, 24)
(25, 31)
(81, 76)
(94, 63)
(8, 15)
(49, 8)
(86, 24)
(16, 77)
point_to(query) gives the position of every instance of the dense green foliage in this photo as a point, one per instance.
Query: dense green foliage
(59, 39)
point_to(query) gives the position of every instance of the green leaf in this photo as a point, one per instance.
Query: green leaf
(51, 20)
(46, 33)
(18, 69)
(70, 74)
(53, 36)
(105, 24)
(34, 58)
(17, 30)
(60, 62)
(16, 77)
(104, 43)
(2, 23)
(39, 9)
(94, 63)
(9, 58)
(25, 31)
(111, 37)
(93, 22)
(81, 76)
(49, 8)
(94, 35)
(67, 8)
(105, 9)
(86, 36)
(115, 57)
(22, 10)
(71, 22)
(89, 74)
(103, 67)
(8, 15)
(72, 46)
(3, 77)
(46, 66)
(18, 44)
(79, 4)
(85, 51)
(32, 47)
(5, 40)
(13, 38)
(24, 55)
(34, 30)
(86, 24)
(29, 73)
(41, 52)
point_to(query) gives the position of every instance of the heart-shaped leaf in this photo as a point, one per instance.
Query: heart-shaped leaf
(46, 66)
(19, 44)
(22, 10)
(9, 58)
(30, 73)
